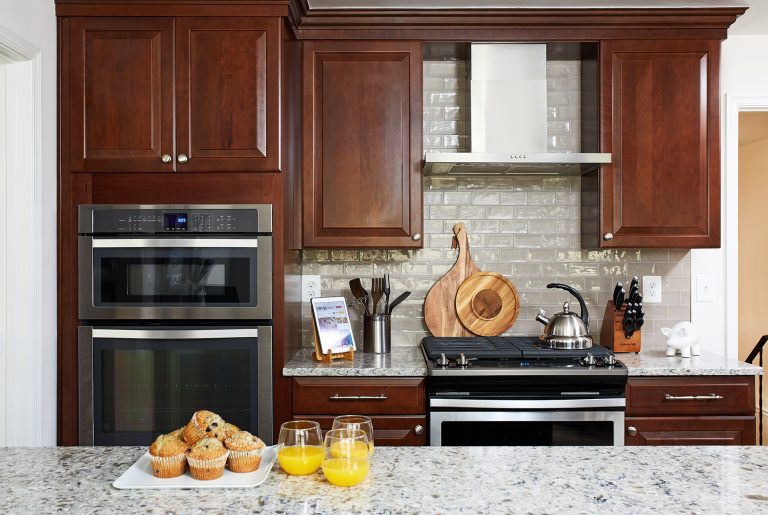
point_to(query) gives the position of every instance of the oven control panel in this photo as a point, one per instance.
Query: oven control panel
(115, 220)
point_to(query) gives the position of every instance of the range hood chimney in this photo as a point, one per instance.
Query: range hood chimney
(509, 119)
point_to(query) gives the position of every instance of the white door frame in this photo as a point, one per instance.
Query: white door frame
(733, 106)
(28, 384)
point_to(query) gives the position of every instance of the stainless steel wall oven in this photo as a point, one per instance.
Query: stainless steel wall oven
(176, 304)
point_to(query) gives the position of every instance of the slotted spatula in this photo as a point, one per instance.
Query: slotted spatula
(359, 293)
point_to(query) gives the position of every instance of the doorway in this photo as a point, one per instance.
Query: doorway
(753, 237)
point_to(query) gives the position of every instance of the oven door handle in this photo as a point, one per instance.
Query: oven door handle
(203, 242)
(539, 404)
(174, 334)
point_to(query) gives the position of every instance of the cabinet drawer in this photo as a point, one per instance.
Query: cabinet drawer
(689, 430)
(359, 396)
(707, 395)
(387, 430)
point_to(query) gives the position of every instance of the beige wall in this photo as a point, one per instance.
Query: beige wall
(753, 236)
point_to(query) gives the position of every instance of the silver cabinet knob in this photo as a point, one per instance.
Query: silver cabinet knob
(418, 429)
(182, 158)
(632, 431)
(416, 237)
(166, 158)
(608, 236)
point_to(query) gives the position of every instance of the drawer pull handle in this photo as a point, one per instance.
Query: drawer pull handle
(710, 397)
(337, 397)
(632, 431)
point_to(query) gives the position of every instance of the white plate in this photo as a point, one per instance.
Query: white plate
(140, 476)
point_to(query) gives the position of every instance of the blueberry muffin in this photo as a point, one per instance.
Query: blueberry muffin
(167, 454)
(204, 424)
(230, 429)
(244, 451)
(207, 458)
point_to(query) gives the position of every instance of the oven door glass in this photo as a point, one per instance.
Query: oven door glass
(548, 428)
(148, 386)
(174, 276)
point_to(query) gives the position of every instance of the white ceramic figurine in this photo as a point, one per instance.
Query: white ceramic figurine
(682, 337)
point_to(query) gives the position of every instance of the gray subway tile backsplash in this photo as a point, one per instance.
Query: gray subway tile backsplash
(526, 228)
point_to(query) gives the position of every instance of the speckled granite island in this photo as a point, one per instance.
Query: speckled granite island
(418, 480)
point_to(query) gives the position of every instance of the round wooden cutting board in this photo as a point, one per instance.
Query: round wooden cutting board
(440, 302)
(487, 303)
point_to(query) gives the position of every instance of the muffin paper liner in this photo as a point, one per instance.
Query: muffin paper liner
(193, 432)
(168, 466)
(244, 461)
(212, 468)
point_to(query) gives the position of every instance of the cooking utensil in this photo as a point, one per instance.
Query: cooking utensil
(616, 289)
(400, 298)
(387, 291)
(628, 323)
(619, 300)
(487, 303)
(566, 330)
(635, 283)
(639, 323)
(360, 293)
(439, 311)
(638, 299)
(377, 290)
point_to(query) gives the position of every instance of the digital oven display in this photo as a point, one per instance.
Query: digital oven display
(175, 221)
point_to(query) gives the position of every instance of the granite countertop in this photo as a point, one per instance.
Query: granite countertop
(409, 362)
(401, 362)
(418, 480)
(656, 363)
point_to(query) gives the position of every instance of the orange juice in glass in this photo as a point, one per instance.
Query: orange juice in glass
(346, 460)
(299, 445)
(358, 422)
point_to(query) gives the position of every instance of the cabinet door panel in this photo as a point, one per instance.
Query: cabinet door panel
(690, 431)
(660, 122)
(228, 94)
(121, 76)
(362, 144)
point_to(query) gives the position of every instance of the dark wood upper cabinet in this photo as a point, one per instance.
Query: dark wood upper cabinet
(362, 144)
(227, 94)
(121, 94)
(218, 77)
(659, 109)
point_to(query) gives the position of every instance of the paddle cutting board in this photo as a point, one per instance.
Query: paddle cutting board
(440, 302)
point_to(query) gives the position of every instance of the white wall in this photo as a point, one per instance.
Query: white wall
(742, 74)
(34, 21)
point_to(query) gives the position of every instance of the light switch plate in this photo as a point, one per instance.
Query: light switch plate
(310, 287)
(651, 289)
(705, 288)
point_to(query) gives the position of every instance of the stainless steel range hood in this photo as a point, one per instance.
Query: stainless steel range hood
(508, 112)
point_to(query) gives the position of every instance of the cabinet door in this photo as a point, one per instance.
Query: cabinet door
(387, 431)
(362, 144)
(227, 94)
(120, 94)
(690, 430)
(660, 121)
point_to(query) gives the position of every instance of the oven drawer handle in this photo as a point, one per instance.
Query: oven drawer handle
(710, 397)
(337, 397)
(122, 243)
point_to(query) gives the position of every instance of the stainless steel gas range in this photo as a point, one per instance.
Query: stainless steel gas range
(513, 391)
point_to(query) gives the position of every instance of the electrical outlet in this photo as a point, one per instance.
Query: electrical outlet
(651, 289)
(705, 288)
(310, 287)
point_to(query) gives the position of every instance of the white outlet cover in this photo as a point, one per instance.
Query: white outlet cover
(705, 288)
(651, 289)
(310, 287)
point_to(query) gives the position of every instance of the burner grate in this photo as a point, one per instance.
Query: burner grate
(503, 347)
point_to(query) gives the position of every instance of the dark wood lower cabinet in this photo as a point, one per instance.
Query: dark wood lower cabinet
(690, 430)
(690, 410)
(396, 405)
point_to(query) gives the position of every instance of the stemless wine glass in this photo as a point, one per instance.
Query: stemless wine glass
(299, 445)
(359, 422)
(346, 460)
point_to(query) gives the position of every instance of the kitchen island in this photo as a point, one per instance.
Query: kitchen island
(413, 480)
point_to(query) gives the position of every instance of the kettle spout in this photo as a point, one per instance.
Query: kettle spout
(541, 317)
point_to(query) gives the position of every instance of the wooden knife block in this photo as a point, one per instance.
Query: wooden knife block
(612, 332)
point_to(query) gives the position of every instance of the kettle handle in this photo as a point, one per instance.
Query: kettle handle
(584, 312)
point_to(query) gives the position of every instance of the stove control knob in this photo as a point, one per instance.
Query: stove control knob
(442, 361)
(589, 359)
(462, 361)
(609, 360)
